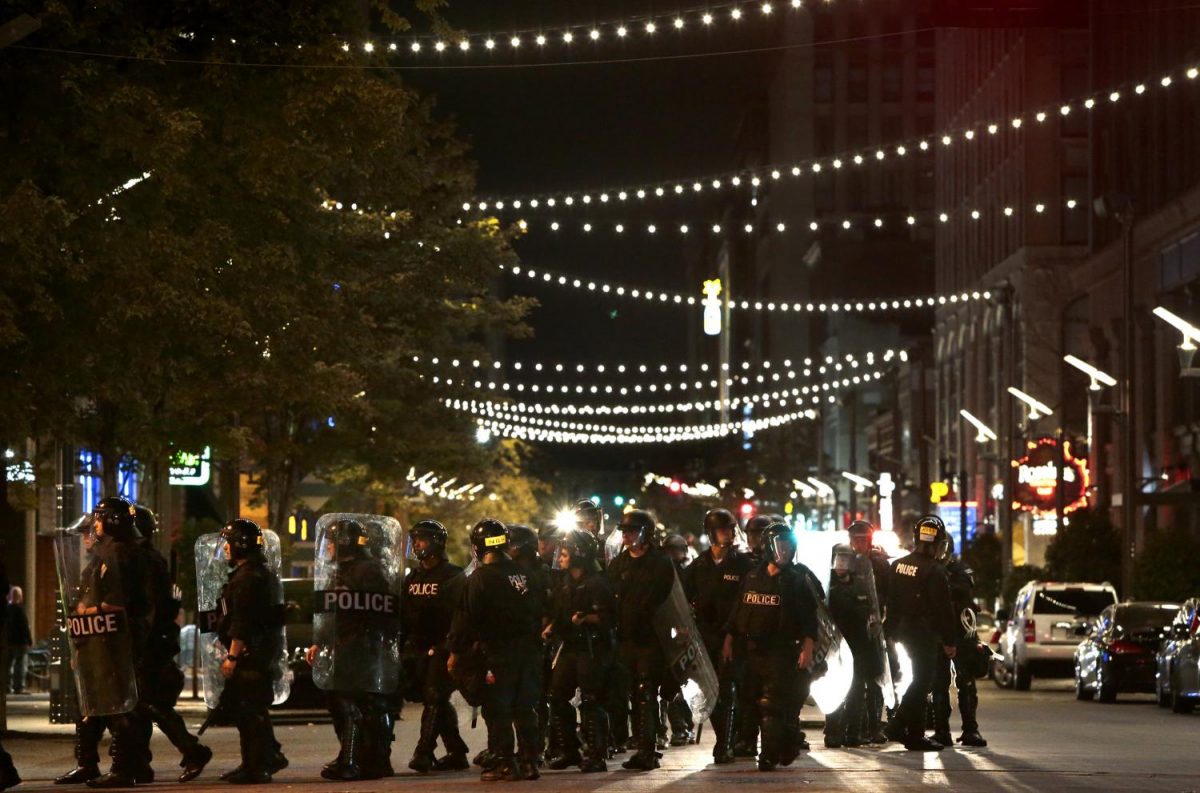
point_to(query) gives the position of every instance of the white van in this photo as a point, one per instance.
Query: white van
(1048, 621)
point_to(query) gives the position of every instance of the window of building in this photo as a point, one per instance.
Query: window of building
(893, 82)
(856, 79)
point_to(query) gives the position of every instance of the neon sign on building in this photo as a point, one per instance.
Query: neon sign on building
(1037, 478)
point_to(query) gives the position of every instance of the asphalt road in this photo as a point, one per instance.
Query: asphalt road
(1039, 740)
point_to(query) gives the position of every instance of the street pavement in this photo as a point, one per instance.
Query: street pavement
(1039, 740)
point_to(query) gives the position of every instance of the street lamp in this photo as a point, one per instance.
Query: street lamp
(1098, 376)
(984, 433)
(1187, 346)
(1037, 408)
(861, 483)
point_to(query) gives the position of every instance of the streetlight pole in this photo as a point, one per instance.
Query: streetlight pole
(1128, 501)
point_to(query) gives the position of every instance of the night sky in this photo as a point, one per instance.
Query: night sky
(537, 129)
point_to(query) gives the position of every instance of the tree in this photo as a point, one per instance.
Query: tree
(1166, 567)
(984, 556)
(1088, 548)
(295, 241)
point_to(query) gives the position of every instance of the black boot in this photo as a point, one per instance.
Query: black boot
(78, 775)
(968, 706)
(724, 721)
(594, 728)
(194, 762)
(646, 712)
(455, 758)
(255, 736)
(564, 743)
(937, 714)
(352, 747)
(423, 760)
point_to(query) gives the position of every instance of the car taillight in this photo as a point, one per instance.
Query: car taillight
(1030, 631)
(1126, 648)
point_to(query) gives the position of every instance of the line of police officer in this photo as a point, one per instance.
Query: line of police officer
(535, 622)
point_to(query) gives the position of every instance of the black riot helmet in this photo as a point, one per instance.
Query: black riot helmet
(860, 528)
(435, 533)
(589, 517)
(929, 535)
(754, 531)
(145, 521)
(548, 533)
(349, 538)
(842, 560)
(945, 551)
(489, 536)
(583, 549)
(720, 518)
(779, 544)
(522, 542)
(640, 523)
(116, 517)
(245, 538)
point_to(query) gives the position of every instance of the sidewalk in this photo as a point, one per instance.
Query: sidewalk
(29, 715)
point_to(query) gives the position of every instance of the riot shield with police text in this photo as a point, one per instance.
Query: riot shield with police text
(93, 582)
(212, 573)
(686, 657)
(357, 575)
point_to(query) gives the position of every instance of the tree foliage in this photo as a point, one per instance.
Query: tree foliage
(1088, 548)
(1166, 568)
(263, 289)
(985, 557)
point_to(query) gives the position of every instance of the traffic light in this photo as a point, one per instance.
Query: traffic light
(619, 501)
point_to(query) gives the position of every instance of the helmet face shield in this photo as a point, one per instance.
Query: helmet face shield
(781, 549)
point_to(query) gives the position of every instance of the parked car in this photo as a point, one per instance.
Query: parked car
(1119, 653)
(1177, 664)
(298, 600)
(1047, 622)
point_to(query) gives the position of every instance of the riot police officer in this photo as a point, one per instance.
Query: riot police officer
(712, 584)
(775, 621)
(642, 577)
(355, 653)
(432, 593)
(921, 617)
(861, 535)
(525, 549)
(582, 622)
(673, 710)
(547, 547)
(500, 615)
(250, 631)
(962, 584)
(852, 606)
(160, 679)
(590, 517)
(747, 715)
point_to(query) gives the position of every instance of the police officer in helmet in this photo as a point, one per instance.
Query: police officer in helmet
(249, 629)
(920, 615)
(861, 541)
(775, 625)
(642, 577)
(712, 584)
(500, 615)
(962, 585)
(432, 592)
(582, 619)
(525, 549)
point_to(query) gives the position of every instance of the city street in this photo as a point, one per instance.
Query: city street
(1040, 740)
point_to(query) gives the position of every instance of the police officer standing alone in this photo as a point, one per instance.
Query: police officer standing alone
(712, 584)
(962, 585)
(775, 620)
(433, 591)
(642, 577)
(249, 629)
(582, 616)
(921, 617)
(500, 614)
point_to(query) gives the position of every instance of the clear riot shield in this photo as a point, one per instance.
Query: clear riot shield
(92, 586)
(357, 576)
(864, 575)
(684, 650)
(212, 573)
(614, 543)
(833, 664)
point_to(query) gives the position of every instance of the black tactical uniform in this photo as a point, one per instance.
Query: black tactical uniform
(432, 593)
(160, 678)
(920, 616)
(712, 587)
(962, 585)
(500, 614)
(774, 619)
(524, 547)
(747, 716)
(853, 612)
(251, 612)
(361, 716)
(641, 584)
(582, 625)
(8, 772)
(673, 709)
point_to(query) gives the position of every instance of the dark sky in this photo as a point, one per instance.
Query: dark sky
(547, 128)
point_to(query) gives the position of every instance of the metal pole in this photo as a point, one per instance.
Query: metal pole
(1128, 500)
(853, 462)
